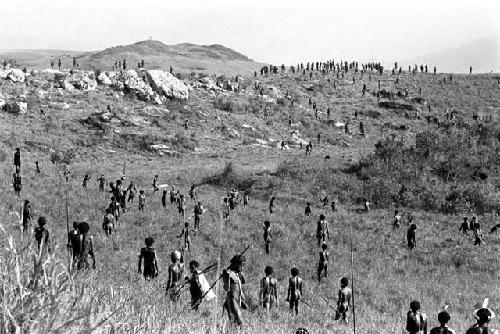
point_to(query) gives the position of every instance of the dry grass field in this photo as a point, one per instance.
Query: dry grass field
(228, 128)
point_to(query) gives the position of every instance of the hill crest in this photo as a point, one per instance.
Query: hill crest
(183, 57)
(158, 48)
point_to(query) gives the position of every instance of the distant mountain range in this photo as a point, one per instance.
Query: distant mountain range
(183, 57)
(483, 55)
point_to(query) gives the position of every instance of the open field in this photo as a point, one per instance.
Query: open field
(444, 267)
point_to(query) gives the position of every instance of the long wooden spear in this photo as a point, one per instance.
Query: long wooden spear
(352, 263)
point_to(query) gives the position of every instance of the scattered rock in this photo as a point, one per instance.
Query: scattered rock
(155, 111)
(138, 121)
(297, 140)
(233, 133)
(59, 105)
(268, 99)
(260, 141)
(209, 84)
(164, 149)
(246, 126)
(83, 80)
(42, 94)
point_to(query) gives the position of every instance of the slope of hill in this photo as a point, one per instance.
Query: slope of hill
(38, 59)
(483, 55)
(232, 141)
(184, 58)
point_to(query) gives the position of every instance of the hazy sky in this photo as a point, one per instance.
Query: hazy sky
(265, 30)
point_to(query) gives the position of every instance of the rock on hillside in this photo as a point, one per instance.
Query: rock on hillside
(14, 75)
(166, 84)
(129, 81)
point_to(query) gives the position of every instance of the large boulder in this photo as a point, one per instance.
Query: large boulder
(164, 83)
(132, 83)
(16, 107)
(16, 75)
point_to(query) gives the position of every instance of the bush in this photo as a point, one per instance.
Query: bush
(448, 173)
(228, 179)
(183, 143)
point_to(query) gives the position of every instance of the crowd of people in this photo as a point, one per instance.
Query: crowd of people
(80, 238)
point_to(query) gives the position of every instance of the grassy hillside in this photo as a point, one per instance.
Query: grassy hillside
(230, 127)
(184, 58)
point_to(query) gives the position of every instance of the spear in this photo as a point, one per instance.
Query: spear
(124, 167)
(67, 226)
(328, 303)
(204, 271)
(352, 263)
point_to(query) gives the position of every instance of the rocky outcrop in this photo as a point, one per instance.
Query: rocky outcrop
(164, 83)
(132, 83)
(209, 84)
(83, 80)
(103, 79)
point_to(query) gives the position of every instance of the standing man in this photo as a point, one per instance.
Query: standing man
(483, 317)
(74, 244)
(198, 211)
(416, 322)
(322, 231)
(148, 254)
(323, 262)
(295, 291)
(344, 300)
(175, 273)
(411, 237)
(268, 294)
(233, 280)
(86, 246)
(17, 158)
(102, 182)
(17, 181)
(27, 215)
